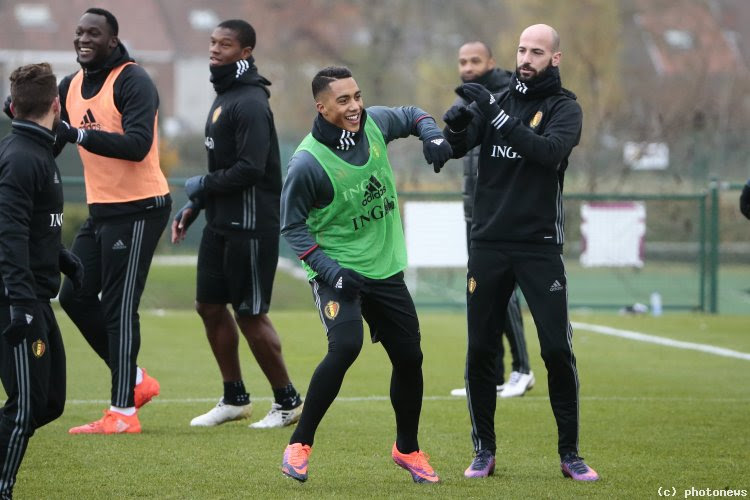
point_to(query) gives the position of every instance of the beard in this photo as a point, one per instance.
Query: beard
(537, 75)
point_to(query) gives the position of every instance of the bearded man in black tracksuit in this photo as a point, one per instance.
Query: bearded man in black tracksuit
(240, 245)
(476, 64)
(32, 356)
(526, 135)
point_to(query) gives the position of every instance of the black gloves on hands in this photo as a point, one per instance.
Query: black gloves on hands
(437, 151)
(68, 133)
(194, 187)
(70, 266)
(196, 210)
(486, 103)
(6, 108)
(348, 283)
(21, 317)
(745, 201)
(458, 118)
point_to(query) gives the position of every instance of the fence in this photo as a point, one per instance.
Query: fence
(681, 253)
(680, 256)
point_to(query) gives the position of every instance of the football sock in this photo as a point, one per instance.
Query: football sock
(344, 344)
(407, 387)
(235, 393)
(123, 411)
(287, 397)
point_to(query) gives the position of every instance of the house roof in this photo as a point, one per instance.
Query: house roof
(684, 37)
(49, 25)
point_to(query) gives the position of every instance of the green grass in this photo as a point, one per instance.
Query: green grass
(651, 416)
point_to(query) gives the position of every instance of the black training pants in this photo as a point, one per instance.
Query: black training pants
(491, 278)
(388, 308)
(116, 257)
(33, 376)
(514, 332)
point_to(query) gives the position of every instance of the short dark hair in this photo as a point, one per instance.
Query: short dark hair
(245, 32)
(326, 75)
(486, 47)
(33, 88)
(111, 19)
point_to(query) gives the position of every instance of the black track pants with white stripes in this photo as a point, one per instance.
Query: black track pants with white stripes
(116, 256)
(33, 376)
(513, 331)
(491, 278)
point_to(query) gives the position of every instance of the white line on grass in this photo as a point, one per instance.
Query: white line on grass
(356, 399)
(679, 344)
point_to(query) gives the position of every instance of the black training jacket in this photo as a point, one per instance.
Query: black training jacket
(496, 80)
(243, 186)
(31, 214)
(518, 200)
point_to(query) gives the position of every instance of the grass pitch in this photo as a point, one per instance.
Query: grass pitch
(651, 417)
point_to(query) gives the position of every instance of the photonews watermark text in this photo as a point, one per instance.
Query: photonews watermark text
(693, 492)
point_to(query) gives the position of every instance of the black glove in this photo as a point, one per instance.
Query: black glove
(486, 103)
(21, 317)
(6, 108)
(194, 187)
(71, 266)
(745, 201)
(348, 283)
(458, 118)
(68, 133)
(196, 207)
(436, 151)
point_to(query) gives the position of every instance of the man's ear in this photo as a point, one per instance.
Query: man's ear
(113, 42)
(320, 107)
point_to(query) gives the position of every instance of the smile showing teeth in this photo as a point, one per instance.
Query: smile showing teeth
(352, 118)
(84, 51)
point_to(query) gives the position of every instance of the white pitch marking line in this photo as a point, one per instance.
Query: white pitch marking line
(653, 339)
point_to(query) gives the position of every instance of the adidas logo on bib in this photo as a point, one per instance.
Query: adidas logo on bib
(556, 287)
(119, 245)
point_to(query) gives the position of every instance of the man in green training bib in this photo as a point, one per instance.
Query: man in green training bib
(340, 214)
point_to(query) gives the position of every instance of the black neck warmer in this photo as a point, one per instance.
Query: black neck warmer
(334, 137)
(224, 76)
(545, 84)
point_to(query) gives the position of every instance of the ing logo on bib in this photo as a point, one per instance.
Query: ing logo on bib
(471, 285)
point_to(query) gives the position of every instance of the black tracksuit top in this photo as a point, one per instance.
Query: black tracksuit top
(31, 214)
(518, 198)
(495, 80)
(243, 186)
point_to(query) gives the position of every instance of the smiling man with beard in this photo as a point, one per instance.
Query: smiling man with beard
(526, 135)
(110, 112)
(340, 214)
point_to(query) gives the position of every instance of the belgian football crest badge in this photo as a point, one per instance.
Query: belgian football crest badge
(216, 114)
(472, 285)
(536, 120)
(331, 310)
(38, 348)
